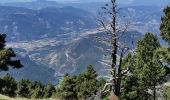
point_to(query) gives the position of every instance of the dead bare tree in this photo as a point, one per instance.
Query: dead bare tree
(114, 31)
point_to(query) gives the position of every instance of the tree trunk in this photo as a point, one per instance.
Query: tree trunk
(114, 46)
(117, 90)
(154, 93)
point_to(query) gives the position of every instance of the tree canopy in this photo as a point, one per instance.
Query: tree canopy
(7, 56)
(165, 25)
(147, 71)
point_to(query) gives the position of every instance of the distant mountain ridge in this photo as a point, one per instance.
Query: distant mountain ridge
(38, 4)
(150, 2)
(68, 21)
(85, 4)
(19, 23)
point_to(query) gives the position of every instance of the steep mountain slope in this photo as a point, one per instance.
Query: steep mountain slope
(33, 71)
(71, 55)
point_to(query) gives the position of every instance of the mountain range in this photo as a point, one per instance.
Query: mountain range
(19, 23)
(58, 39)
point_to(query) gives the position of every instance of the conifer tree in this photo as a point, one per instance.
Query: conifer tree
(7, 56)
(9, 86)
(67, 88)
(165, 25)
(147, 72)
(24, 88)
(164, 53)
(49, 90)
(129, 84)
(80, 87)
(87, 83)
(2, 84)
(37, 90)
(90, 73)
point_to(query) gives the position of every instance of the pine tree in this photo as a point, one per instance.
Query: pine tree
(9, 86)
(80, 87)
(166, 92)
(67, 89)
(164, 52)
(2, 84)
(165, 25)
(152, 63)
(87, 83)
(37, 90)
(148, 70)
(49, 90)
(7, 55)
(130, 83)
(163, 56)
(90, 74)
(24, 88)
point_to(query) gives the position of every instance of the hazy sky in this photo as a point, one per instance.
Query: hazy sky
(2, 1)
(120, 1)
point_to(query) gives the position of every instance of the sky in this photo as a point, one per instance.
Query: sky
(3, 1)
(119, 1)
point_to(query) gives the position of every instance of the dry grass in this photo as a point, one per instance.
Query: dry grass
(2, 97)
